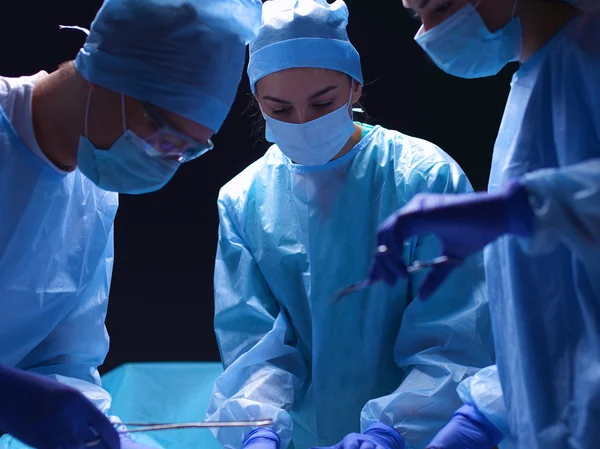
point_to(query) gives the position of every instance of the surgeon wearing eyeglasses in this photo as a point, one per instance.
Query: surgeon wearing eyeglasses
(139, 100)
(380, 368)
(539, 222)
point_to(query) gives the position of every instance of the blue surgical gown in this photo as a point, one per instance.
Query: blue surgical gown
(545, 292)
(56, 258)
(292, 235)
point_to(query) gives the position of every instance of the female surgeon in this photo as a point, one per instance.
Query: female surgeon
(541, 219)
(300, 223)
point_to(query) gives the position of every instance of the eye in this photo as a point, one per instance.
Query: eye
(323, 105)
(281, 111)
(443, 8)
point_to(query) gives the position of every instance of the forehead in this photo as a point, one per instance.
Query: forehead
(298, 81)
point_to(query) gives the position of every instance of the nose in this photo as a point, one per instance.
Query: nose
(303, 115)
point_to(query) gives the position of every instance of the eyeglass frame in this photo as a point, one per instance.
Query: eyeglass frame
(196, 149)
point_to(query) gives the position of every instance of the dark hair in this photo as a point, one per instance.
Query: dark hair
(258, 126)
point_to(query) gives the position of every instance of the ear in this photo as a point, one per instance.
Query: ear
(356, 92)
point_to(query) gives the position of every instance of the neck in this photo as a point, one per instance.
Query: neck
(58, 109)
(352, 141)
(541, 20)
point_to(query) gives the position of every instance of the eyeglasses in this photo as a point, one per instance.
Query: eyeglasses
(169, 142)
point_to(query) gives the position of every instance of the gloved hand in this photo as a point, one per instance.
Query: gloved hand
(467, 429)
(464, 224)
(377, 436)
(261, 438)
(47, 415)
(128, 443)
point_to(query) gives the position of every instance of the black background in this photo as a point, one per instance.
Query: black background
(161, 303)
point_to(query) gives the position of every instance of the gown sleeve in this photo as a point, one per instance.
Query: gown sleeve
(263, 369)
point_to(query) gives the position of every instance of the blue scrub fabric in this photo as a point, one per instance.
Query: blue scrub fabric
(56, 258)
(164, 393)
(292, 235)
(545, 292)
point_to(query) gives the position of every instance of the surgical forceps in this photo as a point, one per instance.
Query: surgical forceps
(410, 269)
(149, 427)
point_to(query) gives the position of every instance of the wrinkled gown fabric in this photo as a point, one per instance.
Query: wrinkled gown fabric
(292, 235)
(545, 292)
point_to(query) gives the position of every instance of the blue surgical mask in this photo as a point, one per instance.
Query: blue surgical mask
(315, 142)
(130, 165)
(463, 46)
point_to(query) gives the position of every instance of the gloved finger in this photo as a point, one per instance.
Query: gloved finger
(351, 441)
(390, 266)
(350, 444)
(128, 443)
(367, 445)
(395, 263)
(380, 271)
(102, 428)
(436, 276)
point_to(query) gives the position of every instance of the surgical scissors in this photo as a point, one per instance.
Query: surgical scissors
(149, 427)
(410, 269)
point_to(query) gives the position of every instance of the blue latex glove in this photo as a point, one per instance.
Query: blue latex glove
(467, 429)
(464, 224)
(377, 436)
(261, 438)
(47, 415)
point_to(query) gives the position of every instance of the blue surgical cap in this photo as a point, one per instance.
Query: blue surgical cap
(303, 33)
(186, 56)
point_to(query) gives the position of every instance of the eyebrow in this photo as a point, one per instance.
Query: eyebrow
(312, 97)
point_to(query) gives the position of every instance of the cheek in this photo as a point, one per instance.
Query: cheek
(141, 125)
(430, 21)
(496, 15)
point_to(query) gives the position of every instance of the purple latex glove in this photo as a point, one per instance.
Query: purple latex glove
(377, 436)
(464, 224)
(467, 429)
(261, 438)
(128, 443)
(46, 414)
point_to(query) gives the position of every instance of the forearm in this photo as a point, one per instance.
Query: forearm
(566, 207)
(265, 395)
(418, 408)
(484, 391)
(259, 383)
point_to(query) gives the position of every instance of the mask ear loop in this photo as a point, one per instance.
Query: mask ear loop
(123, 113)
(350, 104)
(87, 112)
(514, 8)
(359, 110)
